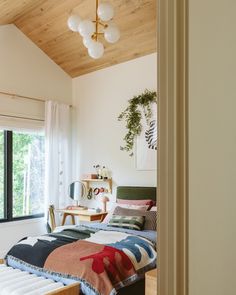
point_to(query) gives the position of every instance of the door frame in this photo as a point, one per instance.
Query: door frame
(173, 147)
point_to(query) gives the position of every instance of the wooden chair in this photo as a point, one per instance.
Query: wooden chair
(51, 218)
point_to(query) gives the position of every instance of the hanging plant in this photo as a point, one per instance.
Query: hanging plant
(132, 116)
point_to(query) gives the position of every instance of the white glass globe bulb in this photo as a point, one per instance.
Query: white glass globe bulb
(86, 28)
(73, 22)
(112, 34)
(96, 50)
(105, 11)
(88, 42)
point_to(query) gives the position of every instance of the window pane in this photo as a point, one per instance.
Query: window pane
(28, 174)
(1, 174)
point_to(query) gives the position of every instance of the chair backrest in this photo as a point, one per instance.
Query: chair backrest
(52, 217)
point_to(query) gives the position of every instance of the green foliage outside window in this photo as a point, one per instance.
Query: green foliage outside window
(28, 174)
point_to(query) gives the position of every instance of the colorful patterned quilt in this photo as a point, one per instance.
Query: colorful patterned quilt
(102, 260)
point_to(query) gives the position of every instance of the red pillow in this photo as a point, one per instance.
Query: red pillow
(137, 202)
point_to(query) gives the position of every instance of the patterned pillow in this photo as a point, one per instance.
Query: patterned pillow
(111, 212)
(150, 216)
(130, 222)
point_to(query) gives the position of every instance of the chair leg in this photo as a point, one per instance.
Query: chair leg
(64, 218)
(73, 219)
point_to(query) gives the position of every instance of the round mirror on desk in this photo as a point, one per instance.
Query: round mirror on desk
(77, 190)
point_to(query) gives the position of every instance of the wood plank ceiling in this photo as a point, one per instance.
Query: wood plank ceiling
(45, 23)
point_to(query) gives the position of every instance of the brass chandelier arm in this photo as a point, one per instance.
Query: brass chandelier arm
(100, 23)
(95, 35)
(104, 25)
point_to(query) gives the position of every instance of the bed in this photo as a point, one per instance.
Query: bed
(105, 258)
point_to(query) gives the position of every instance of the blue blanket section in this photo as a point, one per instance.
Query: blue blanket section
(131, 243)
(150, 235)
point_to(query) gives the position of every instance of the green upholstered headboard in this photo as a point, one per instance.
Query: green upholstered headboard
(136, 193)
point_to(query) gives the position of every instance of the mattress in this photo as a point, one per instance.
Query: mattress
(17, 282)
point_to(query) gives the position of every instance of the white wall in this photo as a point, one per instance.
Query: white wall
(26, 70)
(11, 232)
(212, 151)
(100, 97)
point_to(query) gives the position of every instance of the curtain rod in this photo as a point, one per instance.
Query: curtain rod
(26, 97)
(19, 117)
(22, 96)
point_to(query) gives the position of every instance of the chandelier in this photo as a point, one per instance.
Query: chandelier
(92, 30)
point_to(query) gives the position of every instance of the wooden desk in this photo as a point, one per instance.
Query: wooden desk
(151, 282)
(84, 215)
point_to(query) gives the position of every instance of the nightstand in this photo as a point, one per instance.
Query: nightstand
(151, 282)
(83, 215)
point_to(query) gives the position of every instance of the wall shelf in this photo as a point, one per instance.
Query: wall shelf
(108, 181)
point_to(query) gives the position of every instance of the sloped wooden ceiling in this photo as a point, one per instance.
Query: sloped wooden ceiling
(45, 23)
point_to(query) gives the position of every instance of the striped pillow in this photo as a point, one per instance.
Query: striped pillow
(150, 216)
(129, 222)
(136, 207)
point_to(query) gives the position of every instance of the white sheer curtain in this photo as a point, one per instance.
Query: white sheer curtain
(58, 153)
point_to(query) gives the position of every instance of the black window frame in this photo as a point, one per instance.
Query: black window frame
(8, 182)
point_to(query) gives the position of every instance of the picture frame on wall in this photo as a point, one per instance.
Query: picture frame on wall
(146, 144)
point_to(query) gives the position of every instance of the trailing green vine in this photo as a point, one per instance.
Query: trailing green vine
(132, 116)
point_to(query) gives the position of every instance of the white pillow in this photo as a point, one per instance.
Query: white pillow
(136, 207)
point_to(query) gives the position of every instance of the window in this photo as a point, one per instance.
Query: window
(22, 169)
